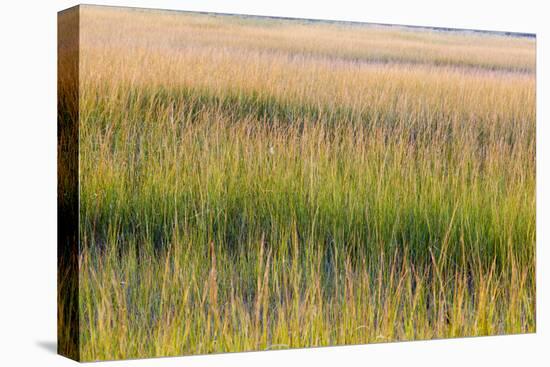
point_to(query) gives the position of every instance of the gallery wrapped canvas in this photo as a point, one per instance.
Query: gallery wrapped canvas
(234, 183)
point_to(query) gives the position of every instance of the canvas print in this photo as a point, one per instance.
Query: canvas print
(233, 183)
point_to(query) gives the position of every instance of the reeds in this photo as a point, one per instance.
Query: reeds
(327, 185)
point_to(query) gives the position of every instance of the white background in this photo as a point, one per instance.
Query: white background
(28, 183)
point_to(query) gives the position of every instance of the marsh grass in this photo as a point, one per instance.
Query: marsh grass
(243, 195)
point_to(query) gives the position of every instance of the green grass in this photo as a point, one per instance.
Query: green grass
(206, 230)
(337, 203)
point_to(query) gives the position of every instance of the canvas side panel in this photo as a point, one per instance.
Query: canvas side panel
(68, 182)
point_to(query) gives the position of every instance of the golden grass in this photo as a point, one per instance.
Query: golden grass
(256, 184)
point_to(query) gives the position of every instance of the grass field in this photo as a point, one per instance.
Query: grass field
(251, 184)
